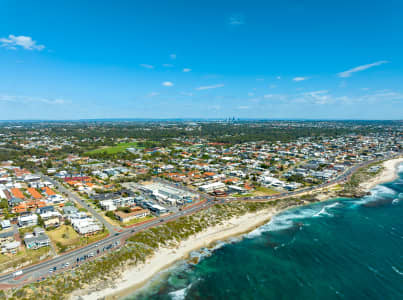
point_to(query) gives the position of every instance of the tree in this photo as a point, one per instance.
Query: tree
(4, 204)
(40, 221)
(110, 214)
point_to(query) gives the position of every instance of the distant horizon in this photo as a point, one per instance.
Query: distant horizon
(196, 119)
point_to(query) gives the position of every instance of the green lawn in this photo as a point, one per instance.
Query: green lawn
(241, 195)
(129, 223)
(116, 149)
(70, 239)
(135, 221)
(261, 190)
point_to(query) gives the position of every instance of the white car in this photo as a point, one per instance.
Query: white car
(18, 273)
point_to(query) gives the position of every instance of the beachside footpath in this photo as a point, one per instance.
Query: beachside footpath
(133, 277)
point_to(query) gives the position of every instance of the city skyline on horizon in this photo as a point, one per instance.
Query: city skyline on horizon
(261, 60)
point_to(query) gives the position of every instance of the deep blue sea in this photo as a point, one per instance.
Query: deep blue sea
(340, 249)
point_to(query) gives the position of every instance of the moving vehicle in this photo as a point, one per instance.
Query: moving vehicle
(18, 273)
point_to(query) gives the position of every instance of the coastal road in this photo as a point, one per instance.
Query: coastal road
(78, 256)
(81, 255)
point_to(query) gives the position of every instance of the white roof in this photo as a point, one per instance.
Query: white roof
(5, 223)
(12, 245)
(28, 217)
(213, 185)
(159, 207)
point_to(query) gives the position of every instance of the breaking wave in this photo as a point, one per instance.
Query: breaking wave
(324, 211)
(397, 271)
(180, 294)
(290, 218)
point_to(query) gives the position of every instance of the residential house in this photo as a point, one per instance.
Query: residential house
(27, 220)
(37, 239)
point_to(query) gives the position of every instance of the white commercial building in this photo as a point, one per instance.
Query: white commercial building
(211, 187)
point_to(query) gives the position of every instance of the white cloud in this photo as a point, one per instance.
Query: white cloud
(167, 83)
(209, 87)
(167, 65)
(186, 94)
(348, 73)
(268, 96)
(243, 107)
(147, 66)
(26, 42)
(186, 70)
(153, 94)
(319, 97)
(300, 78)
(236, 20)
(381, 96)
(172, 56)
(28, 99)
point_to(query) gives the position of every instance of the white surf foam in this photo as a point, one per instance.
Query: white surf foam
(381, 190)
(180, 294)
(324, 212)
(397, 271)
(378, 192)
(287, 219)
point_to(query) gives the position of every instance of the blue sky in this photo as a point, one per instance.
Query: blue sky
(201, 59)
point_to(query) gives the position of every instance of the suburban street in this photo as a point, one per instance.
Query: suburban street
(75, 197)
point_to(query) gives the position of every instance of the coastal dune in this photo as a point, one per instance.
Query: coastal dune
(134, 277)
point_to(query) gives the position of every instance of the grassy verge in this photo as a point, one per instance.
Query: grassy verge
(22, 257)
(115, 222)
(135, 221)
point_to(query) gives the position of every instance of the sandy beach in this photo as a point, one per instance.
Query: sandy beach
(389, 173)
(135, 277)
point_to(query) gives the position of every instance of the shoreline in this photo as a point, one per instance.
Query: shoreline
(389, 173)
(134, 278)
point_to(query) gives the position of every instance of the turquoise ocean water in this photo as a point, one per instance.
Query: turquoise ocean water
(340, 249)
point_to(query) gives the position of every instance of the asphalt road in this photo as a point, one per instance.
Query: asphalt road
(116, 239)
